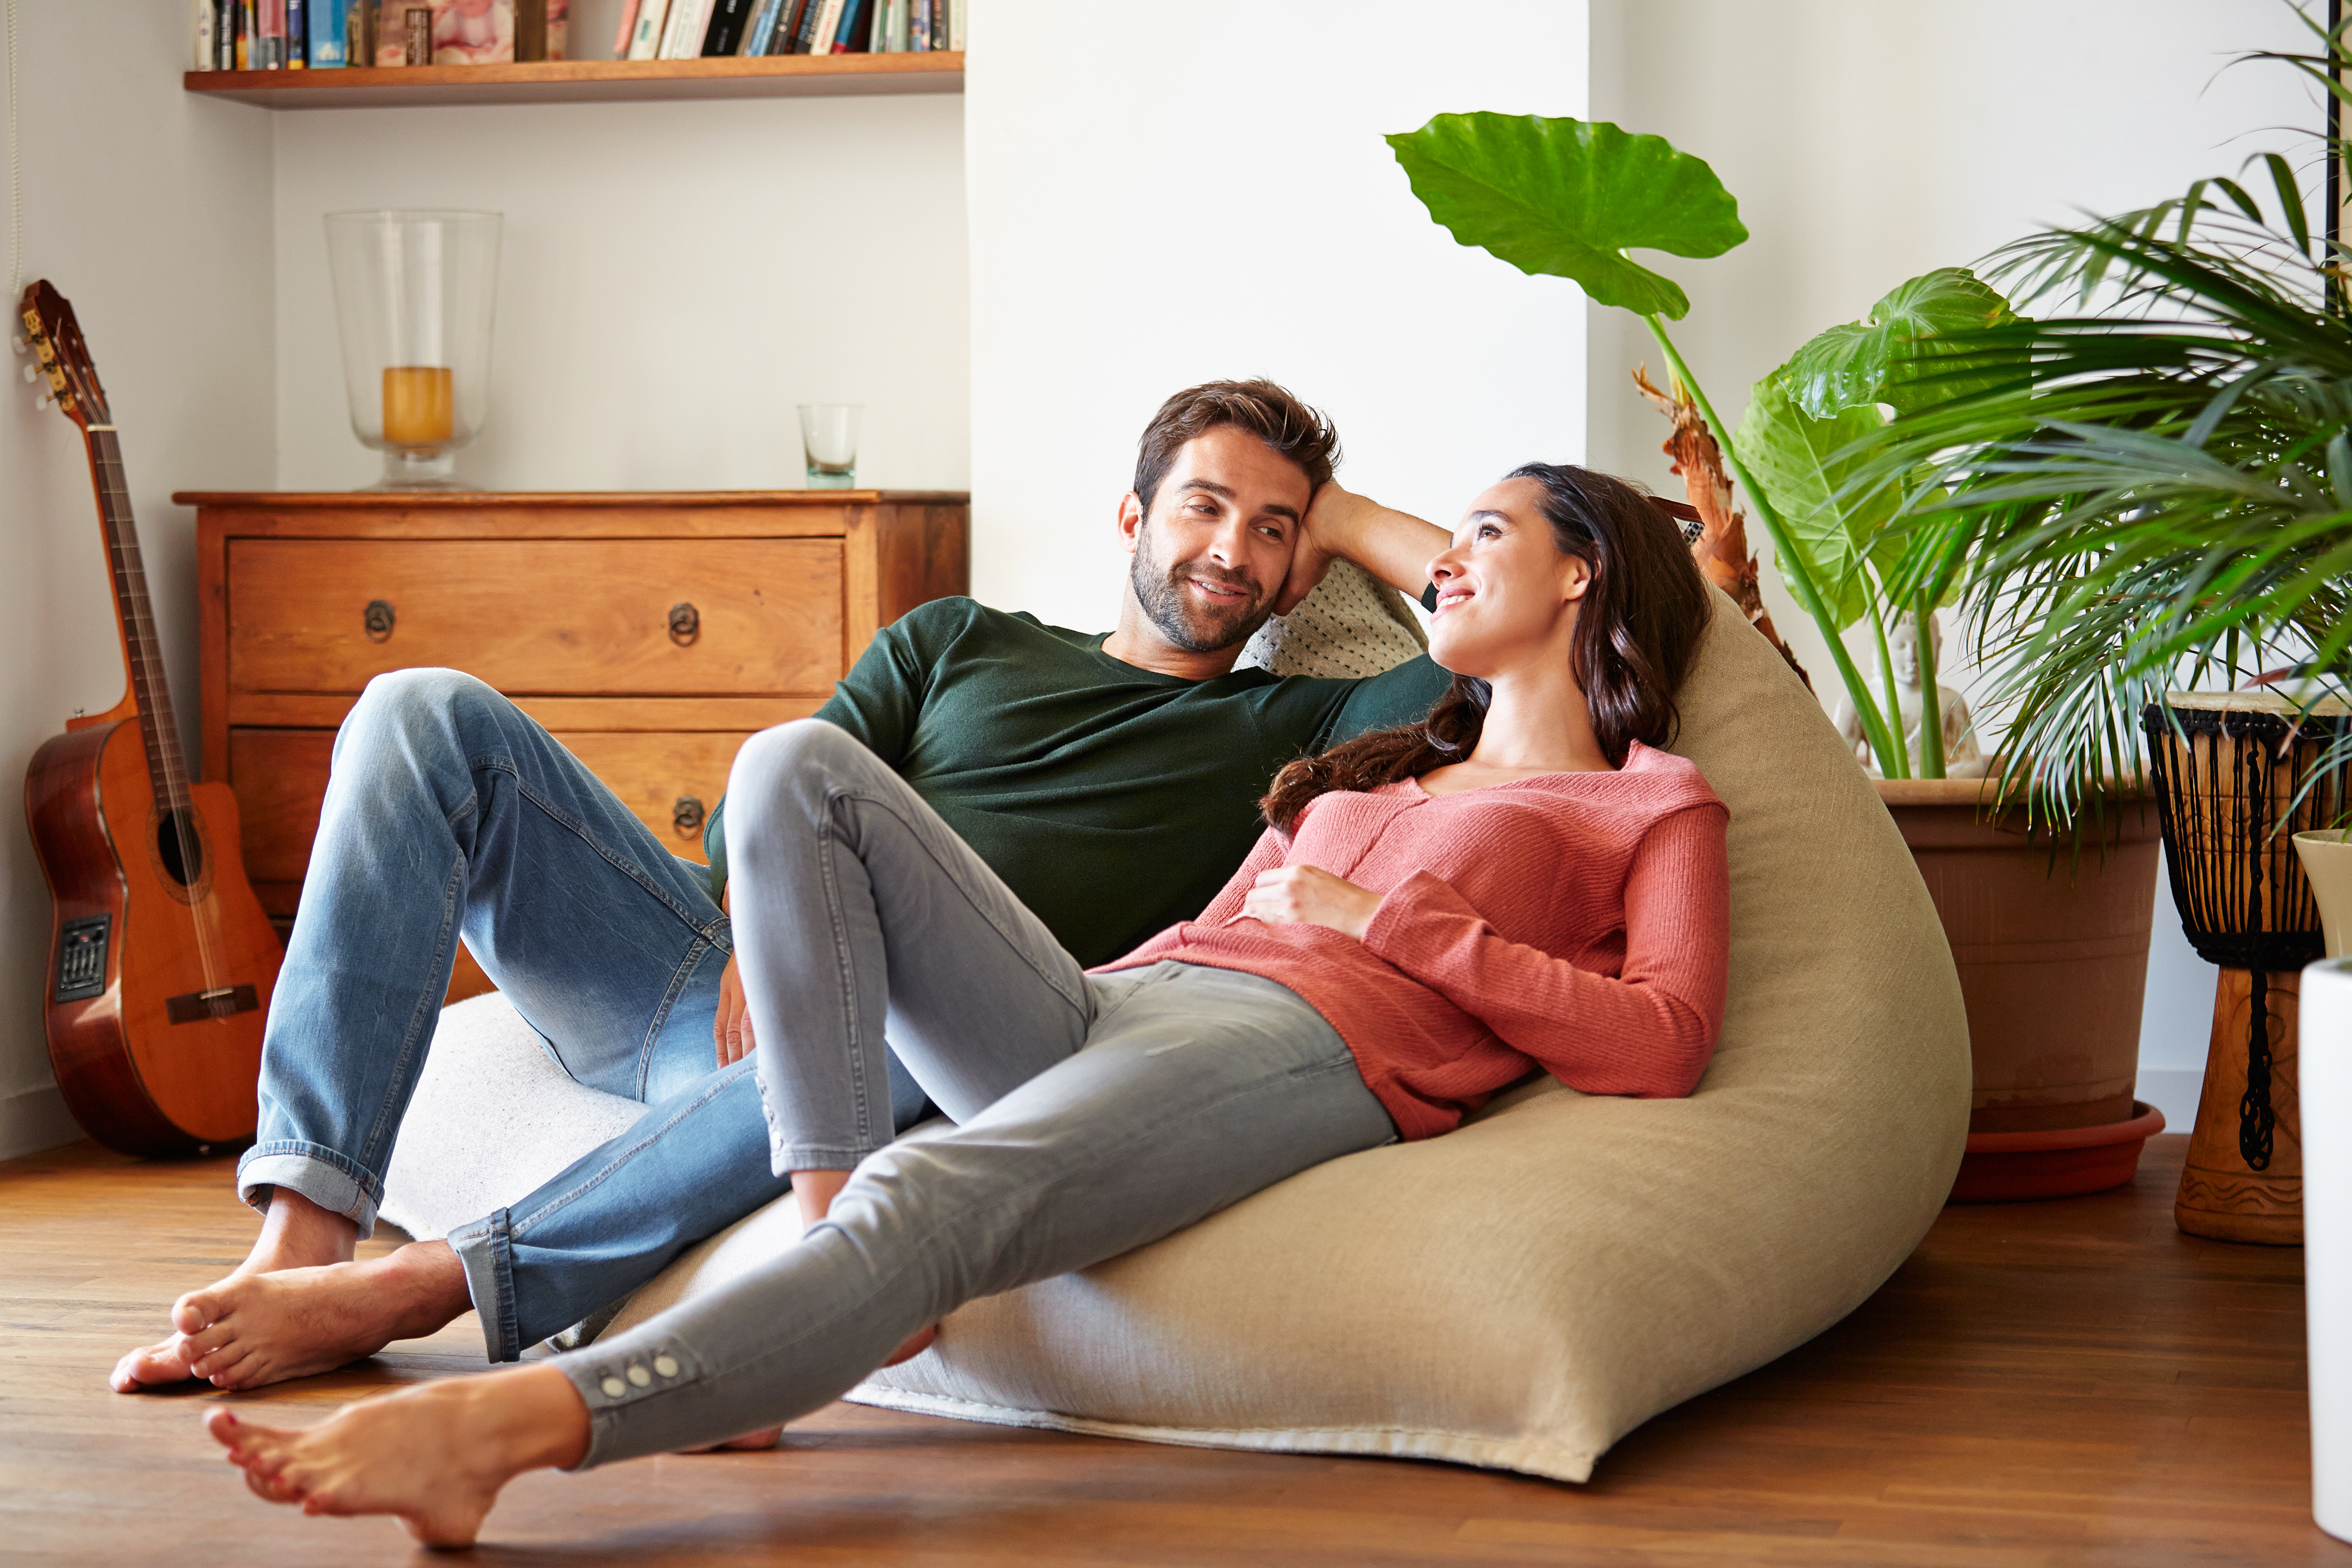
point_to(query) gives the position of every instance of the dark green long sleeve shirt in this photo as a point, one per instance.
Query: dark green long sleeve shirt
(1115, 802)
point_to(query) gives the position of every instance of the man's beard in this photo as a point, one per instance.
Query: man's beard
(1195, 629)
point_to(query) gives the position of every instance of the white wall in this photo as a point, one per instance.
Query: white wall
(1160, 195)
(1869, 142)
(150, 211)
(676, 276)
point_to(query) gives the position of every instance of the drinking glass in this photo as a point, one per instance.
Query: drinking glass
(829, 437)
(413, 295)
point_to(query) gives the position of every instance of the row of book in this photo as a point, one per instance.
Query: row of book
(689, 29)
(317, 35)
(322, 34)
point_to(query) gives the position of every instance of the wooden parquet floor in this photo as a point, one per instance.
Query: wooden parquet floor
(2058, 1384)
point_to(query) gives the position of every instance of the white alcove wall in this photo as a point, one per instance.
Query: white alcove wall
(1161, 194)
(149, 210)
(676, 276)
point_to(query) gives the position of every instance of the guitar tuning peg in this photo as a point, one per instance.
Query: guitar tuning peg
(43, 401)
(16, 341)
(32, 373)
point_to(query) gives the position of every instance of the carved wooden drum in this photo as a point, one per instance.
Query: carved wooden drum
(2228, 767)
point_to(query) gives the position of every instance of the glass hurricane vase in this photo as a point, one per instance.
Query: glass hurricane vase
(415, 292)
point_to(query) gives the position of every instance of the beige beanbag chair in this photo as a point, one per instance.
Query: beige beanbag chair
(1522, 1292)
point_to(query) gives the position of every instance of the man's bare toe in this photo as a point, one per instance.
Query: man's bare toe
(258, 1329)
(151, 1366)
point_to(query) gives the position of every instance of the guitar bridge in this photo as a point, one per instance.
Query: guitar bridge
(81, 958)
(220, 1002)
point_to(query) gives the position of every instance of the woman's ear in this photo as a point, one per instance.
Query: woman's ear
(1575, 576)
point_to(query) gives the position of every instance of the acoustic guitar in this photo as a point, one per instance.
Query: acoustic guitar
(162, 961)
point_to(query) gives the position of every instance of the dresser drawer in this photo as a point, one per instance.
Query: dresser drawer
(280, 779)
(553, 617)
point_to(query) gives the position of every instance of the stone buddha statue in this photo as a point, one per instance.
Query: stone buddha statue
(1963, 757)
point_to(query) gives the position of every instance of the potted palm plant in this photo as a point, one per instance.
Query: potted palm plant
(2051, 950)
(2154, 490)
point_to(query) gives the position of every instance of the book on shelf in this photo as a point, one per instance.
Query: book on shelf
(823, 20)
(645, 43)
(269, 50)
(729, 20)
(329, 24)
(689, 20)
(762, 27)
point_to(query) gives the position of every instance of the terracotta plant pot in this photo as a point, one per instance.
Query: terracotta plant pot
(2051, 942)
(2060, 1162)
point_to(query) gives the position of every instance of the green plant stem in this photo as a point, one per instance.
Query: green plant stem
(1795, 564)
(1902, 770)
(1931, 703)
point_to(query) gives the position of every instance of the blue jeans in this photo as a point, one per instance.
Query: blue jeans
(1095, 1113)
(450, 813)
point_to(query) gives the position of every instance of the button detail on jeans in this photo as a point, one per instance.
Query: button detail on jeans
(614, 1387)
(640, 1376)
(665, 1365)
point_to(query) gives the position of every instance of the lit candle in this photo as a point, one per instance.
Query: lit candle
(418, 407)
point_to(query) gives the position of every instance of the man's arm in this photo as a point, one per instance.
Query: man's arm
(1394, 546)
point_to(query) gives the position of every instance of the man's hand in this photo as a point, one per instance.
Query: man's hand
(731, 1029)
(1340, 525)
(1309, 895)
(1330, 523)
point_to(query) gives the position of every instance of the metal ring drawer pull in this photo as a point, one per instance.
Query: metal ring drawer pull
(686, 815)
(685, 623)
(378, 620)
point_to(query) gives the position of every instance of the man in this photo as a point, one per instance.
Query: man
(1110, 780)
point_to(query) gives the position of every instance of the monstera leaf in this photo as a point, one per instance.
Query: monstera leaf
(1796, 459)
(1892, 357)
(1568, 197)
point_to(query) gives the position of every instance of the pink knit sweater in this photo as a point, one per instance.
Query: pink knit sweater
(1575, 921)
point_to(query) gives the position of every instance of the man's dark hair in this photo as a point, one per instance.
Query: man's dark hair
(1288, 427)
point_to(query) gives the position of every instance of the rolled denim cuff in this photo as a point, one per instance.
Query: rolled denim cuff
(485, 1248)
(317, 1173)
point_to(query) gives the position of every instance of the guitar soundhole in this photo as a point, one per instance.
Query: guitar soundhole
(183, 858)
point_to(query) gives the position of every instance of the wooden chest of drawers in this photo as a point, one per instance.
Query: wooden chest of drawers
(650, 632)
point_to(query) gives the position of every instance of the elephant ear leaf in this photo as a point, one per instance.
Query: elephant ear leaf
(1566, 198)
(1893, 356)
(1805, 466)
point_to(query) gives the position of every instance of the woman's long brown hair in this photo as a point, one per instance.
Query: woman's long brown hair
(1637, 627)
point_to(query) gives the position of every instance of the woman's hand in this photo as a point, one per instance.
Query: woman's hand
(730, 1027)
(1309, 895)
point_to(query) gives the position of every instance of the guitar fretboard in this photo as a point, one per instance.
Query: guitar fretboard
(167, 765)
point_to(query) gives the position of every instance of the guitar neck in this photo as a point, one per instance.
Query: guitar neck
(166, 764)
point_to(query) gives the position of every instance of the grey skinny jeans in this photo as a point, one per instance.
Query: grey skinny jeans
(1094, 1114)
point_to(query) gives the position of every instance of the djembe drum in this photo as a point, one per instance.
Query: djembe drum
(2227, 767)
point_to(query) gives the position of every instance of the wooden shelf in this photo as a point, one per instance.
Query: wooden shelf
(587, 81)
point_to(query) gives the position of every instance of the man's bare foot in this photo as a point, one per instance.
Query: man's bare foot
(435, 1456)
(295, 1233)
(256, 1329)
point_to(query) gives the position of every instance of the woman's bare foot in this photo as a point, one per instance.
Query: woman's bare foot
(295, 1233)
(435, 1456)
(257, 1329)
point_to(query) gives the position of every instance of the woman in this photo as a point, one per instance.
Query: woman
(1523, 881)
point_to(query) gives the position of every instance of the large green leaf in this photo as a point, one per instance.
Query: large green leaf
(1566, 198)
(1801, 462)
(1892, 357)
